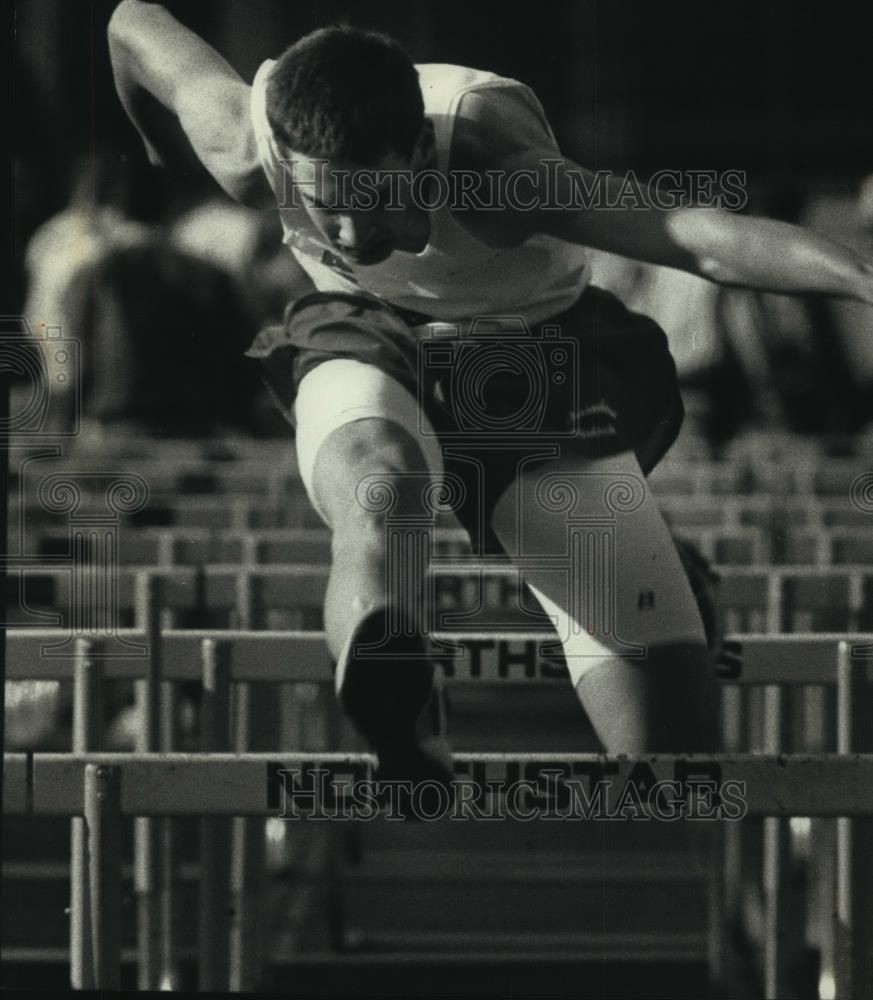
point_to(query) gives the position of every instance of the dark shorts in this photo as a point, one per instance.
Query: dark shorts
(595, 380)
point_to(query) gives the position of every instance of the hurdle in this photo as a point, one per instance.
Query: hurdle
(750, 521)
(740, 546)
(196, 546)
(223, 785)
(480, 658)
(753, 598)
(208, 468)
(810, 475)
(228, 784)
(154, 861)
(261, 656)
(136, 448)
(292, 509)
(85, 925)
(265, 478)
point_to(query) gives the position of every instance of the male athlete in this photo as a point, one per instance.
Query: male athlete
(341, 104)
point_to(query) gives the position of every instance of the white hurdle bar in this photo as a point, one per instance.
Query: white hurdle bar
(262, 467)
(228, 784)
(463, 657)
(488, 658)
(225, 785)
(763, 592)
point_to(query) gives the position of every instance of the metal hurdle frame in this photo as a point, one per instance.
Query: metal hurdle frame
(96, 855)
(193, 546)
(242, 511)
(231, 468)
(758, 590)
(103, 788)
(247, 657)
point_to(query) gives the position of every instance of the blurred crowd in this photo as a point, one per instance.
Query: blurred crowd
(162, 299)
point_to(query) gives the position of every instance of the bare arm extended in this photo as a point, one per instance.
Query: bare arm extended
(717, 244)
(183, 97)
(728, 248)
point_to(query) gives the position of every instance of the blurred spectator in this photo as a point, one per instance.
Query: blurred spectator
(97, 221)
(682, 303)
(805, 364)
(102, 216)
(247, 245)
(163, 316)
(848, 219)
(166, 333)
(704, 325)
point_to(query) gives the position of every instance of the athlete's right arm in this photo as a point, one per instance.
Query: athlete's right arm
(179, 92)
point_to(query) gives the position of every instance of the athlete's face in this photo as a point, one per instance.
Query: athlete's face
(366, 212)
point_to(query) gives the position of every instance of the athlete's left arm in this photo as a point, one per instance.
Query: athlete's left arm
(731, 249)
(726, 247)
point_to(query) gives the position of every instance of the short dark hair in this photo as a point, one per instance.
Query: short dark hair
(343, 92)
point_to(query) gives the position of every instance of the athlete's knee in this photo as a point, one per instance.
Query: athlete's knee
(372, 443)
(367, 469)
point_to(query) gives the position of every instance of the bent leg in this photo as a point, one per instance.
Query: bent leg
(362, 577)
(366, 472)
(630, 627)
(364, 462)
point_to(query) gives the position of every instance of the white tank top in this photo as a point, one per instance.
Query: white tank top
(456, 276)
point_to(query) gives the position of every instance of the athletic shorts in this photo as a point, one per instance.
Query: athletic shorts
(593, 381)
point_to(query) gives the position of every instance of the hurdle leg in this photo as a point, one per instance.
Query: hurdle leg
(248, 855)
(819, 729)
(776, 847)
(103, 820)
(751, 837)
(853, 931)
(270, 706)
(148, 931)
(215, 901)
(732, 729)
(147, 846)
(167, 921)
(86, 738)
(338, 835)
(247, 874)
(724, 872)
(783, 912)
(716, 945)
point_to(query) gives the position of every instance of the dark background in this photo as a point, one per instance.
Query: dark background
(781, 90)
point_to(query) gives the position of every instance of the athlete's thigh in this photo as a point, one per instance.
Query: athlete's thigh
(593, 547)
(592, 544)
(354, 421)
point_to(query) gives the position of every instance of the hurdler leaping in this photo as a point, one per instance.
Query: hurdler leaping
(342, 101)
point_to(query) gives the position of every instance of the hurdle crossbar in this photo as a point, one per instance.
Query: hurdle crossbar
(463, 657)
(252, 784)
